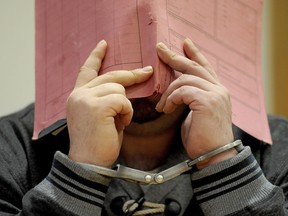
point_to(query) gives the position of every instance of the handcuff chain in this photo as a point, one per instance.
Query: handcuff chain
(143, 177)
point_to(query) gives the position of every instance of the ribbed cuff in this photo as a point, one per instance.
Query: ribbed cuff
(231, 185)
(74, 188)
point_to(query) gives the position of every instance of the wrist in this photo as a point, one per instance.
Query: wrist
(89, 159)
(217, 158)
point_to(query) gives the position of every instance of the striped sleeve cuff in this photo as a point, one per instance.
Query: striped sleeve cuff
(74, 188)
(231, 185)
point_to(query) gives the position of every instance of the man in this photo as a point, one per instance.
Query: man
(192, 118)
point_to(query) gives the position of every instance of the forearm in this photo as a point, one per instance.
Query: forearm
(236, 186)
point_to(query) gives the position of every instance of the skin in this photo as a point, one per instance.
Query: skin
(99, 115)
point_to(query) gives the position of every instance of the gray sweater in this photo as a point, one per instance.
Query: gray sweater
(37, 178)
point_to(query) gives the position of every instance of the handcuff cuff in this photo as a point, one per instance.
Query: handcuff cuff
(142, 177)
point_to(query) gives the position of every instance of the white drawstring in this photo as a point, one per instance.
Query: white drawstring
(152, 208)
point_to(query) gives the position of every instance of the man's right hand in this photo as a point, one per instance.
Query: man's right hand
(98, 110)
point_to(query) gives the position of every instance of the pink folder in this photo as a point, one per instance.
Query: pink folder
(227, 32)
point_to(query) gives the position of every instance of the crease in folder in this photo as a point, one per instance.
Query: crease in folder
(64, 38)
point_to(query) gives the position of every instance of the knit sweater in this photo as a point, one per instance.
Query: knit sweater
(37, 178)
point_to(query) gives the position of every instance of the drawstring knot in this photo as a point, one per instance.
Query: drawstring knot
(130, 207)
(133, 207)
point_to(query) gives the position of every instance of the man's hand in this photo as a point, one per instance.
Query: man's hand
(98, 110)
(208, 125)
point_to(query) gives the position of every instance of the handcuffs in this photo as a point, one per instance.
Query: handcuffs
(143, 177)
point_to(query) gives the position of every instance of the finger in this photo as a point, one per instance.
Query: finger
(182, 64)
(193, 97)
(92, 65)
(194, 54)
(184, 80)
(123, 77)
(119, 106)
(107, 88)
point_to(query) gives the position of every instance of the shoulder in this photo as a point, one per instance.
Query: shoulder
(21, 155)
(18, 125)
(279, 128)
(15, 135)
(274, 158)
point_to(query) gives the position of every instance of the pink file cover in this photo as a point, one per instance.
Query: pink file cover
(227, 32)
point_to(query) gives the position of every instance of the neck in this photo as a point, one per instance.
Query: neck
(147, 152)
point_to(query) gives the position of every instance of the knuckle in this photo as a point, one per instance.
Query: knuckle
(96, 53)
(117, 98)
(182, 90)
(220, 97)
(121, 88)
(108, 76)
(171, 58)
(225, 93)
(194, 64)
(115, 87)
(214, 100)
(182, 78)
(134, 75)
(114, 99)
(186, 77)
(73, 97)
(77, 100)
(85, 68)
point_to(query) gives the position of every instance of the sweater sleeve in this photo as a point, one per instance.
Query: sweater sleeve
(237, 186)
(69, 189)
(34, 180)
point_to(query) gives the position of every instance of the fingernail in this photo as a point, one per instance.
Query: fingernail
(157, 107)
(102, 42)
(162, 46)
(147, 69)
(188, 40)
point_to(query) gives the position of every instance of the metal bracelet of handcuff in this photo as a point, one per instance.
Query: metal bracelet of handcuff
(143, 177)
